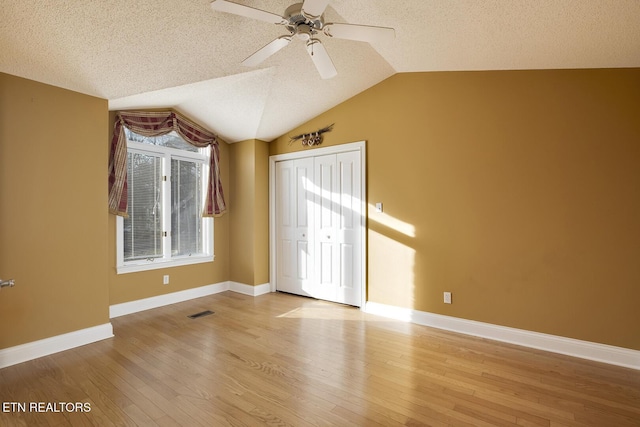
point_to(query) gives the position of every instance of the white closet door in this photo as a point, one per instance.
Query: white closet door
(294, 200)
(319, 226)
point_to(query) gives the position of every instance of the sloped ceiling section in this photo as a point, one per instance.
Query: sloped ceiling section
(182, 54)
(463, 35)
(217, 102)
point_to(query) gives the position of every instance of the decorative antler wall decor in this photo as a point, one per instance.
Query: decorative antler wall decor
(312, 138)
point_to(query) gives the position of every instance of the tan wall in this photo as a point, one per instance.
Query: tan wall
(517, 191)
(53, 216)
(134, 286)
(249, 211)
(241, 206)
(261, 214)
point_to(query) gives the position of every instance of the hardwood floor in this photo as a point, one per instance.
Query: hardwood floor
(283, 360)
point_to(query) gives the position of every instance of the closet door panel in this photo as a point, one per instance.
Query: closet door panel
(326, 224)
(304, 217)
(349, 226)
(293, 215)
(285, 230)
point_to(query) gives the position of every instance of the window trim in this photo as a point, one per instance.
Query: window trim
(167, 261)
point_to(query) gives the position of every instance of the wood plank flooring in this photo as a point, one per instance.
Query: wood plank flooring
(282, 360)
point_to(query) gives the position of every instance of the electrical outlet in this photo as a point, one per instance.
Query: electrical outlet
(447, 297)
(165, 279)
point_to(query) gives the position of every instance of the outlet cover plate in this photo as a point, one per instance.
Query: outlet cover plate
(447, 297)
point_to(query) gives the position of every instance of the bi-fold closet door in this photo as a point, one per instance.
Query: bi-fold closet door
(318, 227)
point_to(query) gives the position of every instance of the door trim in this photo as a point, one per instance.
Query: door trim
(360, 147)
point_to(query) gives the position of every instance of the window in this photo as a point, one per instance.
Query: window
(166, 192)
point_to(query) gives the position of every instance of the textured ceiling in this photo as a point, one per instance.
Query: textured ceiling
(182, 54)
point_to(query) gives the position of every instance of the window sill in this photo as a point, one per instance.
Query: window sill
(135, 267)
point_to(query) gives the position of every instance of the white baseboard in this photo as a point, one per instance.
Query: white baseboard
(125, 308)
(568, 346)
(33, 350)
(254, 291)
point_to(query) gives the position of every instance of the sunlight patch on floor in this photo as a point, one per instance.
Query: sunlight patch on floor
(324, 313)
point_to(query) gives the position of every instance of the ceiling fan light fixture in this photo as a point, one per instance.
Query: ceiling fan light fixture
(304, 32)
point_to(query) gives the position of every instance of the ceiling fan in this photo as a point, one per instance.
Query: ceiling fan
(305, 21)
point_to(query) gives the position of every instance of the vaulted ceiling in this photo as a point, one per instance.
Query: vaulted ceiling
(184, 55)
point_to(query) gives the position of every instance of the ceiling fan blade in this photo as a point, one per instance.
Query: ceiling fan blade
(321, 59)
(267, 51)
(363, 33)
(314, 8)
(249, 12)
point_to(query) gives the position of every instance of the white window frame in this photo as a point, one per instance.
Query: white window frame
(167, 153)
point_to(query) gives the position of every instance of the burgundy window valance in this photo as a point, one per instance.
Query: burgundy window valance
(154, 124)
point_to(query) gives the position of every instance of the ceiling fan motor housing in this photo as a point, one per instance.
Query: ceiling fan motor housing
(302, 26)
